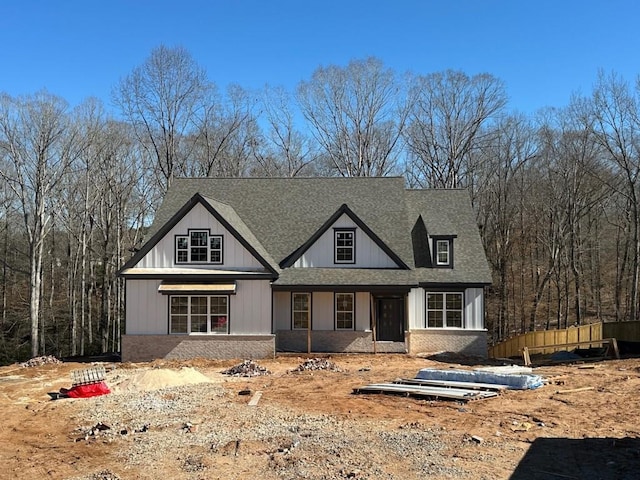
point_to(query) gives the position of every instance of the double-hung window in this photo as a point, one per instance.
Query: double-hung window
(199, 314)
(345, 246)
(199, 246)
(444, 310)
(301, 310)
(345, 311)
(443, 251)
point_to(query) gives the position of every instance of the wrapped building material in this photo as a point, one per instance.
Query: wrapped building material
(515, 382)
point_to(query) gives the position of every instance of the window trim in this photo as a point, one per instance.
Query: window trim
(209, 315)
(293, 311)
(189, 248)
(444, 310)
(336, 232)
(352, 311)
(437, 239)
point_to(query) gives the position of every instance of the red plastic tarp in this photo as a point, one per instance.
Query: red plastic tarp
(85, 391)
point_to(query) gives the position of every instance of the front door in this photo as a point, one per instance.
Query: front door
(390, 319)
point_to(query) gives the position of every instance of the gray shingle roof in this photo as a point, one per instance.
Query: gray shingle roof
(278, 215)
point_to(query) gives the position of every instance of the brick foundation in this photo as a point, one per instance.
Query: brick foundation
(144, 348)
(334, 342)
(466, 342)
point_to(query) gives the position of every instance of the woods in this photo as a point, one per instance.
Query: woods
(555, 193)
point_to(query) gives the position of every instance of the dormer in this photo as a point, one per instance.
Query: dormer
(442, 248)
(344, 241)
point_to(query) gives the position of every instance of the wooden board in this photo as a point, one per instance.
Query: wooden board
(452, 384)
(460, 394)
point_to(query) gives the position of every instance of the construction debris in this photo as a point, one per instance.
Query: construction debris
(38, 361)
(88, 376)
(317, 364)
(255, 399)
(451, 393)
(248, 368)
(85, 383)
(461, 385)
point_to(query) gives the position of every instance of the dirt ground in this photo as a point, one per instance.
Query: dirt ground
(582, 424)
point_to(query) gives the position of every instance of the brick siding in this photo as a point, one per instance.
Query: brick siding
(144, 348)
(334, 342)
(466, 342)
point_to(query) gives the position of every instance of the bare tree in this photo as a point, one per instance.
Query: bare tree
(285, 151)
(503, 163)
(617, 110)
(160, 98)
(448, 112)
(35, 138)
(225, 136)
(357, 114)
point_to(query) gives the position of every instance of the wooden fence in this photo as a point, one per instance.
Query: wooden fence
(627, 331)
(513, 346)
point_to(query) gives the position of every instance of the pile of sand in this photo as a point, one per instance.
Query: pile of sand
(154, 379)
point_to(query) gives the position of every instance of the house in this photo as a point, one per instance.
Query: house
(242, 268)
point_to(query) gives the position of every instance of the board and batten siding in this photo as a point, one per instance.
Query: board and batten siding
(322, 311)
(368, 253)
(473, 308)
(162, 255)
(416, 308)
(363, 311)
(282, 310)
(249, 308)
(147, 311)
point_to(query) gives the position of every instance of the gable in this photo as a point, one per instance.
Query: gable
(344, 232)
(163, 253)
(235, 253)
(368, 254)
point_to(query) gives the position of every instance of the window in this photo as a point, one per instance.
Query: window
(344, 311)
(215, 249)
(345, 246)
(442, 252)
(301, 310)
(444, 310)
(199, 314)
(199, 247)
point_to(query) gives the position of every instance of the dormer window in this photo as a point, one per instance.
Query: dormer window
(443, 251)
(345, 246)
(199, 246)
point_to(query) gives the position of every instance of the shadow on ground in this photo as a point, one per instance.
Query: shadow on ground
(584, 459)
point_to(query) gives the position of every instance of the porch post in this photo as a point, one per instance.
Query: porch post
(373, 323)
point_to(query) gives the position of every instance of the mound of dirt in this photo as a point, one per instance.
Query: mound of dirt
(155, 379)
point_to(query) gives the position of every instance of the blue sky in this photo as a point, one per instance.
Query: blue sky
(544, 50)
